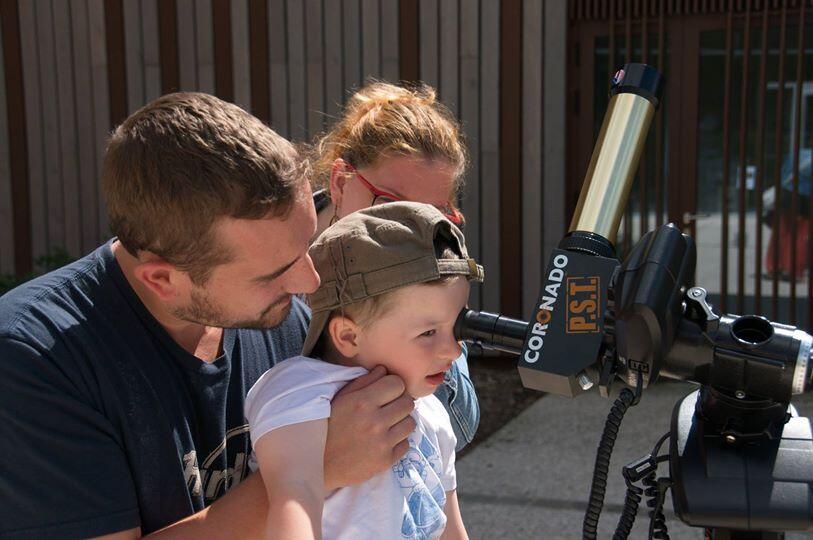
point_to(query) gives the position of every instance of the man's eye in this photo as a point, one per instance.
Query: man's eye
(428, 333)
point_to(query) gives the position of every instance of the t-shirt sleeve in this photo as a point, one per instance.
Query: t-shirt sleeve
(292, 392)
(63, 470)
(446, 445)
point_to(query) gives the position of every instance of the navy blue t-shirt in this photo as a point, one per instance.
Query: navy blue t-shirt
(106, 423)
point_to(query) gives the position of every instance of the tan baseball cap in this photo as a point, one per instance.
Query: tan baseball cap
(380, 249)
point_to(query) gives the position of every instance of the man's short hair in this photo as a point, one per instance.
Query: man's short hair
(185, 160)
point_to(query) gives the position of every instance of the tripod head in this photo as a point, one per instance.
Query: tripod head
(598, 320)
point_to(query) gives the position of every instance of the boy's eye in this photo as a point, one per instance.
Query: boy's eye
(428, 333)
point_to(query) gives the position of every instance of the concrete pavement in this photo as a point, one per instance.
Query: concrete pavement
(531, 479)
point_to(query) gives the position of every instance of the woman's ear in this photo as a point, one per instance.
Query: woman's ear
(338, 178)
(345, 334)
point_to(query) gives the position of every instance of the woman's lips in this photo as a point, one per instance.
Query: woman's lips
(437, 378)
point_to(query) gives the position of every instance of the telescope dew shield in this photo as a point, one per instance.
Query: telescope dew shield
(566, 338)
(635, 95)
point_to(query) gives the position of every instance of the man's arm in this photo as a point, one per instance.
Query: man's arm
(367, 433)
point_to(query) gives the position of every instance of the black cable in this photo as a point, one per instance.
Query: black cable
(627, 518)
(598, 486)
(655, 492)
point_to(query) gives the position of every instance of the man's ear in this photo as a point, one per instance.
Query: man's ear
(160, 277)
(344, 333)
(339, 174)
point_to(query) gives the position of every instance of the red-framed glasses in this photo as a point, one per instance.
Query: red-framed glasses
(383, 197)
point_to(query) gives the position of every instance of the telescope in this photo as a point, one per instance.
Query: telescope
(740, 458)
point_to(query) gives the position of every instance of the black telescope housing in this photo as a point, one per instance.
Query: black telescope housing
(739, 459)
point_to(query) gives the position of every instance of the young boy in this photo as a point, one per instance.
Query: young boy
(394, 279)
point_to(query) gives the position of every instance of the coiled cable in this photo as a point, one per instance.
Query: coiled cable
(598, 487)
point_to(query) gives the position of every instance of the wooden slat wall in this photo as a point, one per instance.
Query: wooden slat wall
(532, 96)
(6, 221)
(294, 63)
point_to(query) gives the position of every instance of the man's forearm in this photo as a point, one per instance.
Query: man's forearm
(240, 513)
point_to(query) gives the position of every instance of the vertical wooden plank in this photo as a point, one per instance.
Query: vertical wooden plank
(278, 39)
(659, 148)
(490, 222)
(794, 208)
(204, 41)
(334, 91)
(259, 60)
(554, 116)
(428, 13)
(532, 151)
(351, 22)
(67, 135)
(134, 54)
(187, 45)
(297, 77)
(55, 210)
(241, 63)
(222, 49)
(101, 96)
(778, 134)
(315, 51)
(449, 53)
(760, 179)
(510, 189)
(726, 164)
(409, 39)
(152, 53)
(168, 45)
(389, 40)
(85, 115)
(743, 142)
(32, 125)
(16, 191)
(470, 117)
(370, 39)
(6, 209)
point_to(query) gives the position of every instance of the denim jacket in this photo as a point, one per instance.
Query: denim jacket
(458, 396)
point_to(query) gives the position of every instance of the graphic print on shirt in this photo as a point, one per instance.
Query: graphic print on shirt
(214, 482)
(418, 474)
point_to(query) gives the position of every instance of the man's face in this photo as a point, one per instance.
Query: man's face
(414, 338)
(269, 265)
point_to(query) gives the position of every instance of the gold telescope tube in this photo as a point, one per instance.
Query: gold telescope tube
(613, 164)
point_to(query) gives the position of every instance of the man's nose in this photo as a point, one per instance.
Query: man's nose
(304, 280)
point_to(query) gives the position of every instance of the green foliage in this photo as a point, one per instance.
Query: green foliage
(52, 260)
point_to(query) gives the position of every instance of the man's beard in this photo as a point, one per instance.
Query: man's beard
(202, 310)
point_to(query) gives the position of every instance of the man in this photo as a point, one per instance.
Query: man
(123, 375)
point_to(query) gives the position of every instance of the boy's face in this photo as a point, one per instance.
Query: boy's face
(414, 338)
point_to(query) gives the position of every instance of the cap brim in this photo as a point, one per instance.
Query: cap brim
(315, 328)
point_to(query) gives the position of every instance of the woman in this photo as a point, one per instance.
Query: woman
(392, 144)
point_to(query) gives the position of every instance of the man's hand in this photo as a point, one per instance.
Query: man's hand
(368, 426)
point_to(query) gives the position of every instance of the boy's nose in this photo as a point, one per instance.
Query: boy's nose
(451, 349)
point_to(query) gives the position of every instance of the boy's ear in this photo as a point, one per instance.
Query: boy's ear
(344, 333)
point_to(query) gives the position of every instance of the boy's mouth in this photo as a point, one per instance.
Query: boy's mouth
(436, 379)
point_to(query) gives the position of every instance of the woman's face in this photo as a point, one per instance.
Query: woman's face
(409, 178)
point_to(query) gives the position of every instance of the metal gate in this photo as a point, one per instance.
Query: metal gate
(729, 156)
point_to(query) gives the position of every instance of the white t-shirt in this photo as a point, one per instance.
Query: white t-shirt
(406, 501)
